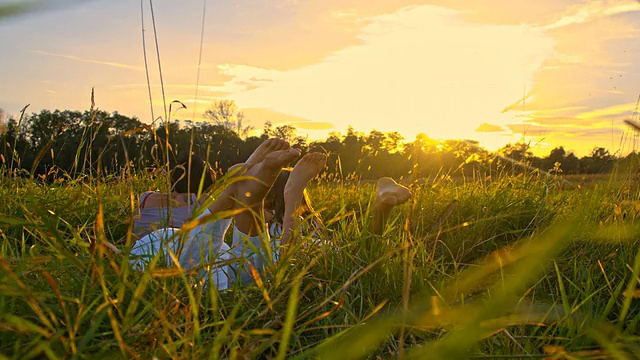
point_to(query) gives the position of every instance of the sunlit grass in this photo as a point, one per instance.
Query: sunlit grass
(510, 265)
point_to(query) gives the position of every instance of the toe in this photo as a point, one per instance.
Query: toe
(273, 143)
(283, 144)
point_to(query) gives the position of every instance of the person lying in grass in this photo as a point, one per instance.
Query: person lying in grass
(286, 205)
(161, 217)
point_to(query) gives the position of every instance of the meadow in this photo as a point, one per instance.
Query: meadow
(499, 266)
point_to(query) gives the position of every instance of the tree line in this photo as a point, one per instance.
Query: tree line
(97, 142)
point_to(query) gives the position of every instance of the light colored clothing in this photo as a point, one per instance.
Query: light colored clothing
(260, 251)
(204, 247)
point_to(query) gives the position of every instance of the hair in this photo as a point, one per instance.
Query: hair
(275, 200)
(183, 181)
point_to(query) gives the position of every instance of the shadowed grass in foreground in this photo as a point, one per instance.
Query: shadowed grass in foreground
(519, 267)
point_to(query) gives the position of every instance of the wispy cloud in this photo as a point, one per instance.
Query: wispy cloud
(592, 10)
(584, 91)
(405, 76)
(261, 115)
(452, 69)
(182, 87)
(313, 125)
(89, 61)
(488, 128)
(617, 110)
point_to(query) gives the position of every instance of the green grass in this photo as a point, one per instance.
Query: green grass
(509, 267)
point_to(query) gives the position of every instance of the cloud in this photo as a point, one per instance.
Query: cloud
(486, 127)
(556, 67)
(583, 92)
(90, 61)
(313, 125)
(342, 63)
(608, 112)
(594, 58)
(407, 77)
(551, 113)
(262, 115)
(583, 13)
(560, 121)
(578, 139)
(285, 35)
(528, 129)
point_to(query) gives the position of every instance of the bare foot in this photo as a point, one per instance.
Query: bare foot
(268, 146)
(306, 169)
(390, 193)
(230, 196)
(258, 155)
(251, 192)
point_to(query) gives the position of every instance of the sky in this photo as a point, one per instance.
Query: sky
(548, 72)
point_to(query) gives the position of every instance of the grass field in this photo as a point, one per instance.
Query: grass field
(520, 266)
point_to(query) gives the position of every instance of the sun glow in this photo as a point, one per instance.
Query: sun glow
(421, 69)
(547, 72)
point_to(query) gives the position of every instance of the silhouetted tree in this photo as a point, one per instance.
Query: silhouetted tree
(515, 158)
(332, 146)
(559, 161)
(352, 155)
(101, 143)
(267, 130)
(286, 132)
(225, 113)
(599, 161)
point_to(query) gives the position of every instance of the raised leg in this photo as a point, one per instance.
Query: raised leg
(226, 200)
(388, 195)
(250, 193)
(248, 244)
(306, 169)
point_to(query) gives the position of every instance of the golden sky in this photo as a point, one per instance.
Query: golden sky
(550, 72)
